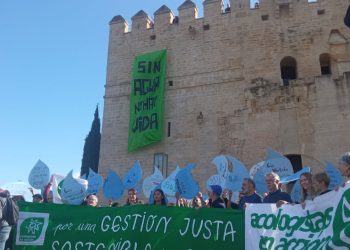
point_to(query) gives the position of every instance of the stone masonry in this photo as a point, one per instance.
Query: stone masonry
(226, 66)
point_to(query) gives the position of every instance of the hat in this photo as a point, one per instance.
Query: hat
(216, 189)
(345, 159)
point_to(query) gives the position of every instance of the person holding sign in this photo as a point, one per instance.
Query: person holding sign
(249, 194)
(159, 197)
(132, 198)
(275, 194)
(214, 196)
(320, 182)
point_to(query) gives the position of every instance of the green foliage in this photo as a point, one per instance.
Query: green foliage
(92, 147)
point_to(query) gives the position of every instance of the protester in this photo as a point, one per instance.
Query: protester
(132, 198)
(249, 194)
(5, 228)
(307, 189)
(49, 197)
(344, 165)
(320, 182)
(275, 194)
(227, 198)
(197, 202)
(17, 199)
(180, 202)
(114, 204)
(200, 196)
(214, 196)
(37, 198)
(159, 197)
(91, 200)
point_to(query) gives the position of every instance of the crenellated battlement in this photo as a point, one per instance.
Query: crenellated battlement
(239, 12)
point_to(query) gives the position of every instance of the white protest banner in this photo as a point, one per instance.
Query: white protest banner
(39, 176)
(323, 224)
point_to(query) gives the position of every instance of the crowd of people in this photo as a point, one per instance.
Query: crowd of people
(312, 185)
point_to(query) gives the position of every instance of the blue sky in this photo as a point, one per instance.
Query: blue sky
(53, 57)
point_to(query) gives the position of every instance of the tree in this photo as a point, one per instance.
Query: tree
(91, 152)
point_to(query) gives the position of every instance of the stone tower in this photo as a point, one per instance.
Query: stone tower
(239, 80)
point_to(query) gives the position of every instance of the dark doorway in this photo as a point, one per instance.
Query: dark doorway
(288, 69)
(325, 64)
(296, 161)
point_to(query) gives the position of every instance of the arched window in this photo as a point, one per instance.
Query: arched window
(325, 64)
(288, 69)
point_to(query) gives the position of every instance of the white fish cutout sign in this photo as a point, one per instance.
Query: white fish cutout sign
(73, 190)
(185, 184)
(152, 181)
(39, 176)
(168, 185)
(95, 182)
(113, 186)
(133, 176)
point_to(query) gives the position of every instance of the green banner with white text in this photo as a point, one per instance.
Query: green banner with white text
(146, 227)
(322, 223)
(147, 99)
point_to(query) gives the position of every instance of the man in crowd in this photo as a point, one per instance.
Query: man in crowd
(214, 195)
(275, 194)
(344, 165)
(320, 182)
(37, 198)
(249, 194)
(5, 228)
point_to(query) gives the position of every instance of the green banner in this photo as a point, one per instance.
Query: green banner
(147, 99)
(146, 227)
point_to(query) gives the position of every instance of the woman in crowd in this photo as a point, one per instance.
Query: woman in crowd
(132, 198)
(197, 202)
(159, 197)
(91, 200)
(307, 190)
(180, 202)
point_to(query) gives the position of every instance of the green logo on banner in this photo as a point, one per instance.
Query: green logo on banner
(147, 99)
(31, 229)
(341, 224)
